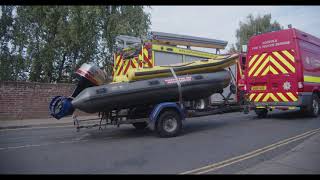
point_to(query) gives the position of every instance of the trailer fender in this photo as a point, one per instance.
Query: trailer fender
(161, 107)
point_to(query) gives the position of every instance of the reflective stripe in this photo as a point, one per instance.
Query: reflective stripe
(266, 97)
(284, 61)
(265, 71)
(274, 98)
(282, 97)
(273, 70)
(145, 52)
(278, 65)
(288, 55)
(258, 97)
(261, 67)
(257, 63)
(292, 96)
(119, 67)
(313, 79)
(239, 67)
(251, 96)
(252, 59)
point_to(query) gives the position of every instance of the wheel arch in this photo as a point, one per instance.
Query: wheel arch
(162, 107)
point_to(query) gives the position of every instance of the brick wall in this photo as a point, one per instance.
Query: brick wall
(25, 100)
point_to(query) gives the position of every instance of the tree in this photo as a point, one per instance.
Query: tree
(48, 43)
(254, 26)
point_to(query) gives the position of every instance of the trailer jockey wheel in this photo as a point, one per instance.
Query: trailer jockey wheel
(261, 113)
(313, 107)
(169, 124)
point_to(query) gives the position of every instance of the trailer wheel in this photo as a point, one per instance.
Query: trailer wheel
(140, 125)
(169, 124)
(313, 107)
(261, 113)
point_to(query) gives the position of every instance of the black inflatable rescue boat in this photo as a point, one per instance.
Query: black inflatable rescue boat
(94, 97)
(152, 91)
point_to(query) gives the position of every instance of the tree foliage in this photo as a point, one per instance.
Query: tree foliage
(253, 26)
(48, 43)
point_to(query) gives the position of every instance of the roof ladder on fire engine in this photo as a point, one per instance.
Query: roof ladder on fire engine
(177, 39)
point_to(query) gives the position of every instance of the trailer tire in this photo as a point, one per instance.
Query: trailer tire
(140, 125)
(261, 113)
(169, 124)
(313, 107)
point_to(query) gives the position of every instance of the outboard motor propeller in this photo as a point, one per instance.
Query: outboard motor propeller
(88, 75)
(61, 106)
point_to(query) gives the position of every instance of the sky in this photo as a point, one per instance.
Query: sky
(221, 22)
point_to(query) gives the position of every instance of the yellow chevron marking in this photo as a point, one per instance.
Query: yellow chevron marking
(135, 62)
(258, 97)
(239, 67)
(278, 65)
(274, 98)
(270, 68)
(252, 59)
(273, 70)
(288, 55)
(284, 61)
(292, 96)
(125, 66)
(145, 52)
(257, 63)
(251, 96)
(266, 97)
(266, 71)
(119, 67)
(282, 97)
(261, 67)
(140, 59)
(117, 60)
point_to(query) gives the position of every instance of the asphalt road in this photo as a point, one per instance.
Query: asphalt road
(204, 141)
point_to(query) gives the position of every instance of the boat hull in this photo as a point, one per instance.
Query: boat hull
(148, 92)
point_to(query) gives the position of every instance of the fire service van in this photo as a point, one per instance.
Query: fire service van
(283, 72)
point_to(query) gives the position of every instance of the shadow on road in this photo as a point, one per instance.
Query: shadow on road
(192, 125)
(128, 132)
(201, 126)
(118, 133)
(288, 115)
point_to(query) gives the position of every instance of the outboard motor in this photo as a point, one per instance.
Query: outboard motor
(88, 75)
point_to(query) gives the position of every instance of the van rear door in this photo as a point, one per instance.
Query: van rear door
(271, 75)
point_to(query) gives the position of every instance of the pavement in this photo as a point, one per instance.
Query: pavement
(303, 159)
(27, 148)
(43, 122)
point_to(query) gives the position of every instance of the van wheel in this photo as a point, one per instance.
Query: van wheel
(169, 124)
(261, 113)
(313, 107)
(140, 125)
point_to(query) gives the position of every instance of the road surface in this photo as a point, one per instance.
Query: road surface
(207, 141)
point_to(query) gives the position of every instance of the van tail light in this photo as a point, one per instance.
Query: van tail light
(300, 85)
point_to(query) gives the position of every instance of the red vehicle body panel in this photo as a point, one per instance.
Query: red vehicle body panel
(282, 66)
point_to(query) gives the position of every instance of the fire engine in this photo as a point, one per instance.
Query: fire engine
(161, 48)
